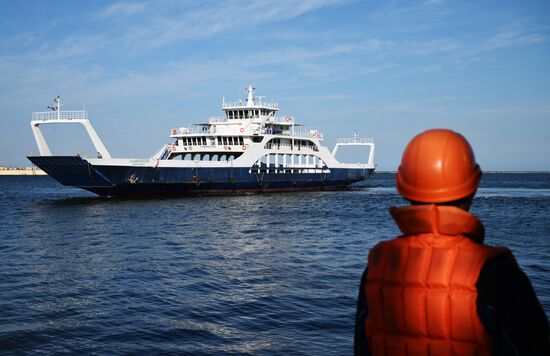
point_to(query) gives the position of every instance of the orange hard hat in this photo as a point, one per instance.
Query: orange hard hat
(438, 166)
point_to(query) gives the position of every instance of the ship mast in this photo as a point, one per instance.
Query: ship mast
(250, 99)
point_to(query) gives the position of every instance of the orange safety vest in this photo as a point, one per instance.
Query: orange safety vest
(420, 290)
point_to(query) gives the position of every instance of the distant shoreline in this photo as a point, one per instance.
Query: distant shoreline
(28, 171)
(7, 171)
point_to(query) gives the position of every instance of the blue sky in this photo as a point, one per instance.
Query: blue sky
(386, 69)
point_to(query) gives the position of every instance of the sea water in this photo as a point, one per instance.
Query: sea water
(244, 274)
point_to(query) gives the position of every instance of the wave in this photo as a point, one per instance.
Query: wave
(513, 193)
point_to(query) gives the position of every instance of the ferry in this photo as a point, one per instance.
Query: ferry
(250, 149)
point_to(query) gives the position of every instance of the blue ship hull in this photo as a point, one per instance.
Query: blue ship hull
(132, 181)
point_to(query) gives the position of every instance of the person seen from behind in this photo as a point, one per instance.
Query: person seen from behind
(438, 289)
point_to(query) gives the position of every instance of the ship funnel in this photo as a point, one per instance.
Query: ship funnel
(250, 99)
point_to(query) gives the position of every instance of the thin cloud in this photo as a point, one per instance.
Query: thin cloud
(512, 38)
(166, 22)
(71, 47)
(433, 47)
(120, 9)
(515, 110)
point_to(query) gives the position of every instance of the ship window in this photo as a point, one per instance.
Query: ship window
(241, 141)
(204, 141)
(225, 140)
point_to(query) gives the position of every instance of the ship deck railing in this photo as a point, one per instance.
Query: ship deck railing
(298, 132)
(60, 115)
(297, 148)
(354, 140)
(257, 103)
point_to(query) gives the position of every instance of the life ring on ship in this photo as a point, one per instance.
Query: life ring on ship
(225, 148)
(242, 129)
(244, 147)
(174, 132)
(288, 119)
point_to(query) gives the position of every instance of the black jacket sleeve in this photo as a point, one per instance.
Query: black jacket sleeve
(509, 309)
(360, 346)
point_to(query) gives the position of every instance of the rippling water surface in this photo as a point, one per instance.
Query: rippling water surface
(245, 274)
